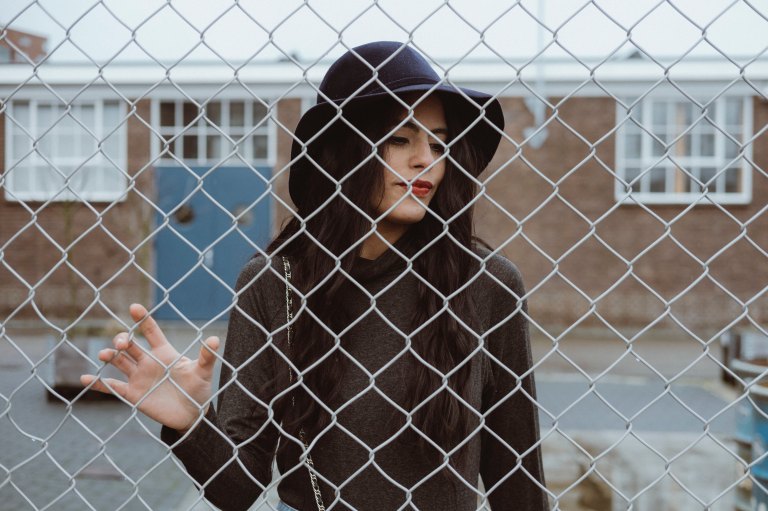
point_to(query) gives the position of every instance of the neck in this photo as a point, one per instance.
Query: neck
(378, 241)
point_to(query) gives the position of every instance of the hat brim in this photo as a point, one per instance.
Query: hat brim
(484, 135)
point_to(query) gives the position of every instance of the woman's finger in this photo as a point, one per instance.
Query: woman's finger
(123, 343)
(119, 359)
(148, 326)
(207, 357)
(105, 385)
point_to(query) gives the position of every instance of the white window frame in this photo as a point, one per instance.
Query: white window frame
(244, 134)
(39, 193)
(647, 160)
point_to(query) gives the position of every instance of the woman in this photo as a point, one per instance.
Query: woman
(407, 373)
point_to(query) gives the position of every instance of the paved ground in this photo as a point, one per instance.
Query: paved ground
(97, 455)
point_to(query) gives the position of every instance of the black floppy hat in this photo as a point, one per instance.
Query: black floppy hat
(378, 70)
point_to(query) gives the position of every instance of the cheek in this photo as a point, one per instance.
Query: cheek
(439, 176)
(380, 200)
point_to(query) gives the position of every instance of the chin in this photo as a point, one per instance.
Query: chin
(412, 216)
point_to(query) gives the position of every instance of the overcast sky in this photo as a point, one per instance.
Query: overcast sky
(171, 30)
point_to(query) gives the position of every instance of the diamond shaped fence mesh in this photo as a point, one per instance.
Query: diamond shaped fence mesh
(347, 304)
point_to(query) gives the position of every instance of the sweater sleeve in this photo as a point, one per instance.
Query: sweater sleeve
(511, 466)
(229, 453)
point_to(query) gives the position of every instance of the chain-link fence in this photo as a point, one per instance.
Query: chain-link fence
(146, 157)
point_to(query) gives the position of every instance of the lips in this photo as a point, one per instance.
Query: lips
(420, 187)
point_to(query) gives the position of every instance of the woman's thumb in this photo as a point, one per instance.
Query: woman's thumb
(208, 353)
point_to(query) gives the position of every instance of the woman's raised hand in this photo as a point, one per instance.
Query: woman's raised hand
(166, 404)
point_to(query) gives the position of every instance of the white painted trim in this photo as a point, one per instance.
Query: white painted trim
(272, 136)
(273, 79)
(749, 119)
(8, 177)
(155, 133)
(464, 72)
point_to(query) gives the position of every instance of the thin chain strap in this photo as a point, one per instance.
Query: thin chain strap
(302, 435)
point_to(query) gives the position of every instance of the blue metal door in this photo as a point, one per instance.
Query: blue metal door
(201, 249)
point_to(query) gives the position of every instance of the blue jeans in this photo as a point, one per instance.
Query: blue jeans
(282, 506)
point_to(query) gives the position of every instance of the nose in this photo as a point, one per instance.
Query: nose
(422, 155)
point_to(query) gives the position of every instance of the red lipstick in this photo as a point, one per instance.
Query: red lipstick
(420, 187)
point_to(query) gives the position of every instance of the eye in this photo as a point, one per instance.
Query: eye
(395, 140)
(438, 148)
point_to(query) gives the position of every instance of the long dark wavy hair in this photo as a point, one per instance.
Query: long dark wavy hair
(335, 225)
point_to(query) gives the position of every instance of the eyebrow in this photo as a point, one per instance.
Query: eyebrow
(413, 127)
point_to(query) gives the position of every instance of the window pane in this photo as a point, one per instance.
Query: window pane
(707, 146)
(111, 113)
(659, 114)
(637, 109)
(45, 145)
(732, 181)
(631, 128)
(631, 173)
(733, 111)
(168, 147)
(708, 126)
(65, 124)
(712, 112)
(49, 180)
(111, 146)
(683, 115)
(731, 148)
(683, 146)
(190, 147)
(212, 129)
(68, 147)
(259, 146)
(86, 114)
(167, 113)
(22, 178)
(21, 113)
(227, 148)
(236, 113)
(633, 145)
(113, 179)
(87, 145)
(658, 179)
(84, 181)
(259, 113)
(190, 112)
(66, 170)
(707, 178)
(682, 180)
(213, 112)
(22, 144)
(45, 116)
(657, 148)
(213, 148)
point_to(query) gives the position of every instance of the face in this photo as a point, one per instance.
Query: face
(412, 155)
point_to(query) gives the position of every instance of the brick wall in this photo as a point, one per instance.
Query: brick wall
(553, 235)
(23, 46)
(52, 252)
(588, 270)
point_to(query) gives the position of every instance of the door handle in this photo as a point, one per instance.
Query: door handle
(208, 258)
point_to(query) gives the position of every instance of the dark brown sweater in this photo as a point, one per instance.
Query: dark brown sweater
(230, 452)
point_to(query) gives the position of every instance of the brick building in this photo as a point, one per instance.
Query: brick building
(607, 229)
(17, 47)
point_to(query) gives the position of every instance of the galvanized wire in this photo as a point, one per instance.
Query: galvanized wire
(597, 463)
